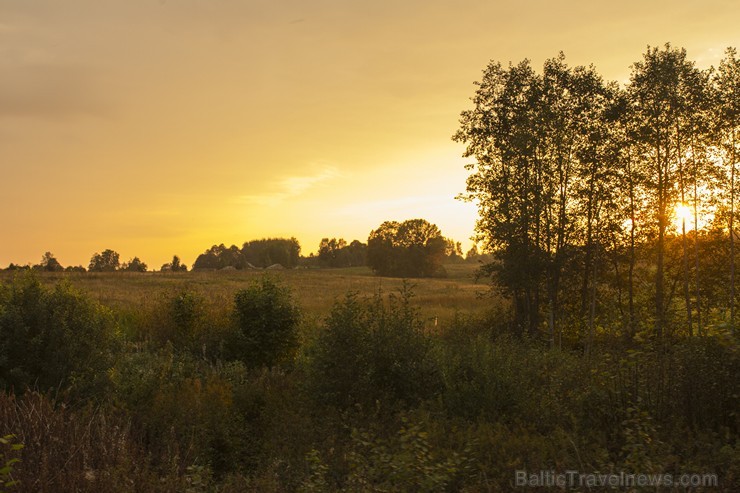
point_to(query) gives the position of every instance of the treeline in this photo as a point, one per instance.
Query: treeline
(107, 261)
(258, 253)
(186, 392)
(414, 248)
(609, 208)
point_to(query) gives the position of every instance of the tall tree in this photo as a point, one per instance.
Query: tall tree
(728, 89)
(661, 103)
(498, 133)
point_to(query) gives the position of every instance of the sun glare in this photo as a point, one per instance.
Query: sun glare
(683, 215)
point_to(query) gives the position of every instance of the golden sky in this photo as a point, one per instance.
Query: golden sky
(161, 127)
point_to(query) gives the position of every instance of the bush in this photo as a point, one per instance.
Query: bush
(178, 405)
(185, 319)
(53, 337)
(371, 352)
(266, 325)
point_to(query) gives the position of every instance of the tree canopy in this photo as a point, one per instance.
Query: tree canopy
(108, 261)
(256, 253)
(413, 248)
(580, 183)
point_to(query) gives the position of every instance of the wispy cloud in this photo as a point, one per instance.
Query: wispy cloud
(291, 186)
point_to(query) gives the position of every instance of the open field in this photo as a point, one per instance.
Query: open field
(315, 290)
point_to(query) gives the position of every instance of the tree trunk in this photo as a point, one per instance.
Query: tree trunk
(732, 235)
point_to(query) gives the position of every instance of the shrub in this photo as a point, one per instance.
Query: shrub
(53, 337)
(372, 352)
(404, 462)
(266, 325)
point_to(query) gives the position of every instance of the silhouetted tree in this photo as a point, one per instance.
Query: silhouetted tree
(49, 263)
(269, 251)
(134, 265)
(337, 253)
(108, 261)
(413, 248)
(220, 256)
(727, 116)
(663, 97)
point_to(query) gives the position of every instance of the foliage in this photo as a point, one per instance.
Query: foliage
(49, 263)
(134, 265)
(257, 253)
(108, 261)
(337, 253)
(578, 181)
(174, 266)
(405, 462)
(372, 352)
(186, 320)
(52, 337)
(266, 320)
(270, 251)
(374, 402)
(218, 257)
(413, 248)
(8, 461)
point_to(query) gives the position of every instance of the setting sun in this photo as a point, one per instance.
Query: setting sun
(684, 217)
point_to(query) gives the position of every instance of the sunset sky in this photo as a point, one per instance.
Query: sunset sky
(162, 127)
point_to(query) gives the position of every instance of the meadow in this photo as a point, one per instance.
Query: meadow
(315, 290)
(335, 380)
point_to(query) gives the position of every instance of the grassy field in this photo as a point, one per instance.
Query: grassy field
(315, 290)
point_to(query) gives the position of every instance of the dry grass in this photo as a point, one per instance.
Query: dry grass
(316, 290)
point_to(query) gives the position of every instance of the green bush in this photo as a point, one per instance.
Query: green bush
(53, 338)
(371, 352)
(185, 319)
(8, 461)
(406, 461)
(266, 325)
(206, 414)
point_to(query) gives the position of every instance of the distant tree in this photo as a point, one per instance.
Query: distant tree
(472, 254)
(337, 253)
(134, 265)
(218, 257)
(77, 268)
(108, 261)
(49, 263)
(413, 248)
(453, 250)
(329, 252)
(269, 251)
(357, 253)
(177, 265)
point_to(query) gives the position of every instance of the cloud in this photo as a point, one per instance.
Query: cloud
(46, 90)
(291, 186)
